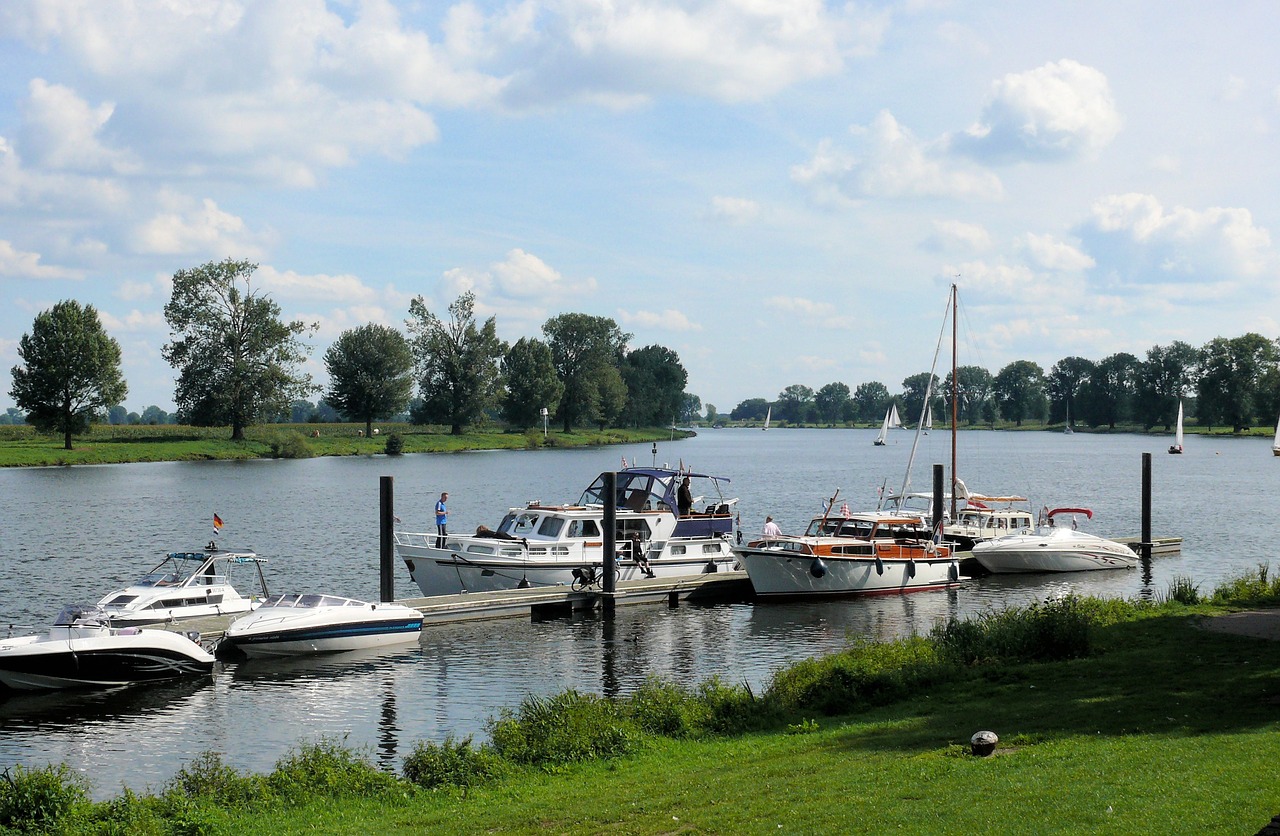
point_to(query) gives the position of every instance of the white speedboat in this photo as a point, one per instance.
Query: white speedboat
(187, 585)
(1054, 547)
(857, 553)
(83, 650)
(560, 545)
(286, 625)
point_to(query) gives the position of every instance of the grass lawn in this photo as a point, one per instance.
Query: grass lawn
(1166, 729)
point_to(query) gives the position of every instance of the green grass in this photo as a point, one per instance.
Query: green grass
(22, 446)
(1149, 724)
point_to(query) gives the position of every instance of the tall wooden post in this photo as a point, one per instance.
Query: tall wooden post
(938, 502)
(610, 538)
(386, 539)
(1146, 506)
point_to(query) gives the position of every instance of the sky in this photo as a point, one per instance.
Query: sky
(781, 191)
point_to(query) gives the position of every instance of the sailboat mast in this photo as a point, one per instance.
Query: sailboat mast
(955, 400)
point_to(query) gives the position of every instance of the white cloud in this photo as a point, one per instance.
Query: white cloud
(668, 320)
(184, 226)
(954, 235)
(897, 165)
(20, 264)
(1135, 239)
(1051, 254)
(1060, 110)
(520, 276)
(136, 321)
(808, 313)
(737, 210)
(60, 131)
(343, 289)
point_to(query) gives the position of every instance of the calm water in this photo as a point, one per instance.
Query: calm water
(74, 534)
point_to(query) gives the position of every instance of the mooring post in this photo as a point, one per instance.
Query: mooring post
(386, 539)
(1146, 506)
(610, 538)
(937, 503)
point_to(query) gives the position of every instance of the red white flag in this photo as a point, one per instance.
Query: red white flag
(217, 525)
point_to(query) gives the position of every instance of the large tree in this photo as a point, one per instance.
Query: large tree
(532, 384)
(1019, 391)
(370, 373)
(238, 361)
(587, 351)
(973, 392)
(1064, 383)
(795, 403)
(1107, 397)
(1164, 378)
(655, 382)
(1231, 372)
(833, 402)
(459, 371)
(870, 401)
(752, 409)
(70, 371)
(913, 395)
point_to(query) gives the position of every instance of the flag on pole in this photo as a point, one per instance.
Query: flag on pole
(624, 462)
(217, 525)
(844, 511)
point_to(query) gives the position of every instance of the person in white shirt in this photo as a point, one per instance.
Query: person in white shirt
(771, 528)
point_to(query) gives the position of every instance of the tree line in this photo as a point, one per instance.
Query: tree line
(239, 364)
(1225, 383)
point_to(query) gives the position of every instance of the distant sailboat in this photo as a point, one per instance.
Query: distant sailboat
(928, 421)
(768, 414)
(1067, 429)
(891, 421)
(1275, 445)
(1177, 434)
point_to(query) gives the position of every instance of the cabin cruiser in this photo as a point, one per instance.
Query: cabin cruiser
(1054, 547)
(187, 585)
(290, 624)
(538, 545)
(853, 553)
(83, 650)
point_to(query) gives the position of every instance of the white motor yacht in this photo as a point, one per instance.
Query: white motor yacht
(187, 585)
(83, 650)
(290, 624)
(563, 545)
(1054, 547)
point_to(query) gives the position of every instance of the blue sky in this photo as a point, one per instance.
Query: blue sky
(779, 190)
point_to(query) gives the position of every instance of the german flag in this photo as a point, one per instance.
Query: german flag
(217, 525)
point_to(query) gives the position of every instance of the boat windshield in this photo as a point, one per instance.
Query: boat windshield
(73, 614)
(840, 527)
(292, 601)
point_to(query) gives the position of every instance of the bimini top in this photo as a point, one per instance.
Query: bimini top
(654, 488)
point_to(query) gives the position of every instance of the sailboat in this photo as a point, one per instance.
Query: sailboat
(928, 420)
(1275, 445)
(768, 414)
(1067, 429)
(891, 421)
(1177, 434)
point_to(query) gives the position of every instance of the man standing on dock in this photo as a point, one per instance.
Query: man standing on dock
(442, 520)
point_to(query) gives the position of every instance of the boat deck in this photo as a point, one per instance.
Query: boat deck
(537, 603)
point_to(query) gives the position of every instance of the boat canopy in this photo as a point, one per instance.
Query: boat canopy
(648, 488)
(1088, 515)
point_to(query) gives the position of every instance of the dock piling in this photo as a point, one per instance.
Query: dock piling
(386, 539)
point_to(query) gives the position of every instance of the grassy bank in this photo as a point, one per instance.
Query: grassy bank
(22, 446)
(1114, 716)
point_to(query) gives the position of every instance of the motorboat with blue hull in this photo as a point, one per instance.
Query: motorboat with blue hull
(188, 585)
(538, 545)
(291, 624)
(83, 650)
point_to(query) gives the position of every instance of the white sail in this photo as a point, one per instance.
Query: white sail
(1177, 434)
(893, 420)
(884, 428)
(1067, 429)
(1275, 445)
(768, 414)
(928, 420)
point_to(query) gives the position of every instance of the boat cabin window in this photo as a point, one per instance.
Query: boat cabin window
(551, 527)
(584, 528)
(521, 526)
(627, 527)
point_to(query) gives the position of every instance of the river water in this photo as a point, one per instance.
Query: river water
(74, 534)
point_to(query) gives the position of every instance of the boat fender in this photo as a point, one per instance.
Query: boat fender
(879, 566)
(818, 569)
(911, 568)
(710, 568)
(953, 573)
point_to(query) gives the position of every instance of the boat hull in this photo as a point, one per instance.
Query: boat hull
(1028, 553)
(35, 663)
(446, 572)
(775, 573)
(321, 632)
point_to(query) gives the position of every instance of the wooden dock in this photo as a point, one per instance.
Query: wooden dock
(547, 602)
(1159, 545)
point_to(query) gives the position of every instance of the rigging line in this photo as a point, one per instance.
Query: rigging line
(906, 478)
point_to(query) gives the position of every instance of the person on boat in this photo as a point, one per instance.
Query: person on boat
(442, 520)
(637, 554)
(771, 528)
(487, 532)
(684, 498)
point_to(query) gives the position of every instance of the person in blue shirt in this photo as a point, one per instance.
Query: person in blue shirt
(442, 520)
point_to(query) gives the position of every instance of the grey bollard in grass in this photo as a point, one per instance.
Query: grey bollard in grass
(983, 743)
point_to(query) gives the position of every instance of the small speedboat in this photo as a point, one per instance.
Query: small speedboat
(1054, 548)
(289, 624)
(83, 650)
(187, 585)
